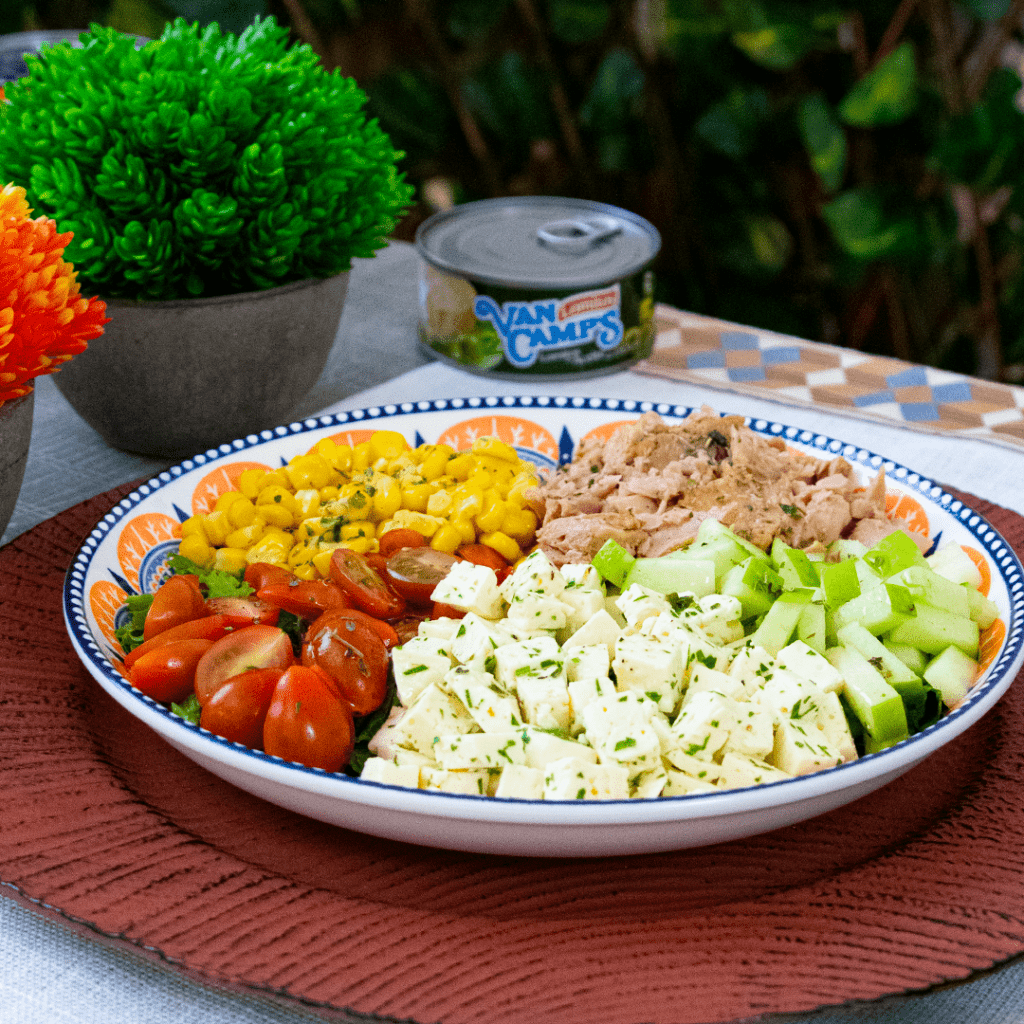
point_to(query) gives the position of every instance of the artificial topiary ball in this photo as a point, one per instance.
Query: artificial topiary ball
(200, 163)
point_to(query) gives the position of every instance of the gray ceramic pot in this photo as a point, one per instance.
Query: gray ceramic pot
(15, 433)
(175, 378)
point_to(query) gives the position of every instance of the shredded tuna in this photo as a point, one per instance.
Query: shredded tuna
(651, 484)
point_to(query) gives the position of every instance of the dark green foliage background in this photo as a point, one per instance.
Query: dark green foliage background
(846, 172)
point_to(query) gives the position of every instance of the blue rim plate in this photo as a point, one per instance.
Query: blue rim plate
(126, 551)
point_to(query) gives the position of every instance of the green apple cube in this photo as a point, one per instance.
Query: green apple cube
(915, 659)
(779, 624)
(793, 566)
(893, 553)
(673, 575)
(932, 630)
(877, 705)
(952, 673)
(878, 610)
(711, 529)
(952, 562)
(723, 552)
(980, 608)
(754, 584)
(931, 588)
(811, 628)
(839, 582)
(613, 562)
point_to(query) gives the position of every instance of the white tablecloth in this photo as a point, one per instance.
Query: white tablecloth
(49, 975)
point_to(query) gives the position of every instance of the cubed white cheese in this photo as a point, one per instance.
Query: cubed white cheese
(619, 729)
(471, 588)
(807, 663)
(479, 750)
(417, 663)
(693, 767)
(740, 770)
(703, 724)
(753, 666)
(405, 756)
(570, 778)
(583, 692)
(520, 782)
(678, 784)
(832, 722)
(538, 655)
(601, 628)
(544, 698)
(466, 783)
(703, 678)
(587, 662)
(719, 618)
(493, 708)
(435, 711)
(542, 747)
(788, 696)
(648, 666)
(582, 576)
(535, 612)
(376, 769)
(581, 606)
(442, 628)
(800, 749)
(637, 603)
(753, 735)
(649, 784)
(535, 574)
(476, 640)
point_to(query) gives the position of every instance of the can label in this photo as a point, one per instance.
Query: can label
(500, 331)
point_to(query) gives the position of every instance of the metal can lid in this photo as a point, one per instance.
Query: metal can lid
(538, 242)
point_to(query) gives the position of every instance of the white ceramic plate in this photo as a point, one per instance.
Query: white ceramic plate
(126, 551)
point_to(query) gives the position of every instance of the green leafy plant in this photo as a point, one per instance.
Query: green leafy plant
(200, 163)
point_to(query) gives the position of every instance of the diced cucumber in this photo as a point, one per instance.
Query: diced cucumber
(839, 582)
(779, 624)
(710, 529)
(932, 630)
(921, 701)
(878, 706)
(674, 575)
(811, 626)
(981, 609)
(952, 673)
(893, 553)
(793, 565)
(754, 584)
(955, 564)
(840, 550)
(878, 610)
(931, 588)
(723, 551)
(613, 562)
(916, 660)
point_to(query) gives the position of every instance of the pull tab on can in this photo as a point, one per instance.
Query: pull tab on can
(576, 235)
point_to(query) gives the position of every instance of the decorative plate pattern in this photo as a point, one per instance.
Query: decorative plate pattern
(127, 550)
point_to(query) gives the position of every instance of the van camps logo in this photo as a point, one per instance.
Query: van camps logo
(527, 329)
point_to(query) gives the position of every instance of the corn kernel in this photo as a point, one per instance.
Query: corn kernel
(195, 548)
(435, 462)
(417, 497)
(250, 483)
(503, 544)
(352, 531)
(276, 494)
(242, 512)
(461, 466)
(465, 527)
(423, 524)
(338, 456)
(230, 559)
(276, 515)
(521, 526)
(307, 502)
(227, 499)
(439, 504)
(492, 515)
(387, 444)
(387, 497)
(322, 559)
(361, 545)
(362, 456)
(217, 526)
(306, 571)
(193, 527)
(467, 501)
(494, 448)
(329, 493)
(447, 539)
(275, 478)
(480, 478)
(245, 536)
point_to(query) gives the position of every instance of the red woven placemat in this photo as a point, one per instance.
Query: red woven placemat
(107, 828)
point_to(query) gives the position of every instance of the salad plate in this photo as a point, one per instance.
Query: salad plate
(127, 550)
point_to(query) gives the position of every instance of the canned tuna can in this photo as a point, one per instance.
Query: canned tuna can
(537, 287)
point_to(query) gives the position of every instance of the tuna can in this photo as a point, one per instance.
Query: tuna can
(537, 287)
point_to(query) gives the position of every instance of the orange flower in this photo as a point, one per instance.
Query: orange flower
(44, 320)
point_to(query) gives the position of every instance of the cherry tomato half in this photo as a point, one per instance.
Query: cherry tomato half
(239, 706)
(395, 540)
(353, 655)
(385, 630)
(414, 572)
(251, 647)
(305, 598)
(261, 574)
(446, 611)
(366, 589)
(178, 600)
(244, 611)
(167, 673)
(307, 723)
(209, 627)
(481, 554)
